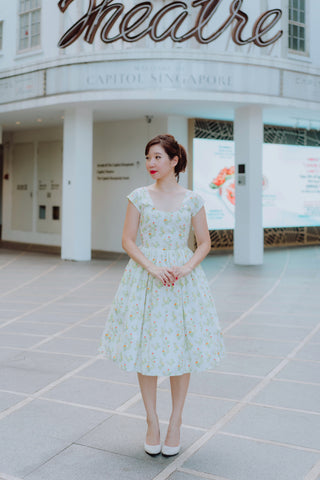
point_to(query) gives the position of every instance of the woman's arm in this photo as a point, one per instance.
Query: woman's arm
(129, 236)
(200, 227)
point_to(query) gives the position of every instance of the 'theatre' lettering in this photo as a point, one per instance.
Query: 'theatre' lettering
(141, 14)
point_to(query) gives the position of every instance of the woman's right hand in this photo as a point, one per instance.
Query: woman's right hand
(163, 274)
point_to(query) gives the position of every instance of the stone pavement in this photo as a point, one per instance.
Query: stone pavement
(67, 414)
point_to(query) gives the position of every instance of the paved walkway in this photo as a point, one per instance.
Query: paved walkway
(66, 414)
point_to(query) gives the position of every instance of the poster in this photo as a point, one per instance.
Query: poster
(291, 183)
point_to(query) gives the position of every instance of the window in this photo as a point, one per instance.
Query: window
(297, 25)
(29, 33)
(1, 34)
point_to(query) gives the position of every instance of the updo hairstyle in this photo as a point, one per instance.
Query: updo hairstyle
(172, 149)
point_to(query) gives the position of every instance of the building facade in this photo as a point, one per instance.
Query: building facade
(84, 84)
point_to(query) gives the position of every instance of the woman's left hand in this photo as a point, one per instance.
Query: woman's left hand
(180, 272)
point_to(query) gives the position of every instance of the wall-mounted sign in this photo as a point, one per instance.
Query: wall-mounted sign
(144, 74)
(140, 21)
(114, 171)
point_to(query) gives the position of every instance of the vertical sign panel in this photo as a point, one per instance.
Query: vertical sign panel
(49, 187)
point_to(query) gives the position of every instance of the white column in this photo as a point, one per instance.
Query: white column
(178, 127)
(248, 233)
(77, 184)
(1, 177)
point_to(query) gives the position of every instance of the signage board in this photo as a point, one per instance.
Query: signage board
(184, 75)
(116, 22)
(290, 184)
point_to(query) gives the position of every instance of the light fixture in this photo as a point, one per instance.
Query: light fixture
(18, 123)
(39, 120)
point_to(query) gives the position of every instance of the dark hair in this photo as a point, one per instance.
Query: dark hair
(172, 149)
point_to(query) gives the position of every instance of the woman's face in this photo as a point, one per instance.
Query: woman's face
(159, 164)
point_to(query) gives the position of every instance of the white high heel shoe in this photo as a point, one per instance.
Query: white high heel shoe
(152, 450)
(170, 451)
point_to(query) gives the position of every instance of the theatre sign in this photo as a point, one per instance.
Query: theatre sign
(141, 21)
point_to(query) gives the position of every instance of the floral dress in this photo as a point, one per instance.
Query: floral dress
(163, 330)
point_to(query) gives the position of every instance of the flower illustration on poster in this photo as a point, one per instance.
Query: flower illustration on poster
(224, 182)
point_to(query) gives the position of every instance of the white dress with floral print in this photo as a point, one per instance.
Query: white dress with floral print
(158, 330)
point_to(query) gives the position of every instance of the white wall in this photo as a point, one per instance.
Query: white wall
(1, 177)
(26, 151)
(8, 15)
(114, 143)
(314, 17)
(123, 142)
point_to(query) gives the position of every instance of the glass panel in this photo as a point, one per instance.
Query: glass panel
(295, 4)
(42, 212)
(35, 40)
(295, 15)
(294, 30)
(34, 18)
(302, 46)
(28, 5)
(24, 31)
(290, 9)
(35, 29)
(24, 20)
(302, 17)
(294, 44)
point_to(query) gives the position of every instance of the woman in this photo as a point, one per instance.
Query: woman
(163, 320)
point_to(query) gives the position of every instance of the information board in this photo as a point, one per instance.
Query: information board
(291, 183)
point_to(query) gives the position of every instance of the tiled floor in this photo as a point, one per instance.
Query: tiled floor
(67, 414)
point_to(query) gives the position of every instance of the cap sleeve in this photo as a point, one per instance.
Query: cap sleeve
(197, 203)
(135, 198)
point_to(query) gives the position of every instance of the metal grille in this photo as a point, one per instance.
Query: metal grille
(221, 130)
(213, 129)
(291, 136)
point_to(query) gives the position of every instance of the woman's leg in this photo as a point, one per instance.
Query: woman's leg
(148, 387)
(179, 388)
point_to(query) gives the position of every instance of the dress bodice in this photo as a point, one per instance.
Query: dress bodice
(165, 230)
(157, 329)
